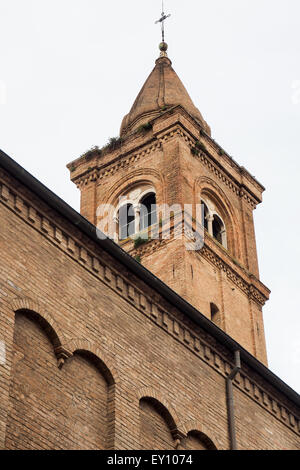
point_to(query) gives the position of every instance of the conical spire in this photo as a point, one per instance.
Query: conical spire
(162, 89)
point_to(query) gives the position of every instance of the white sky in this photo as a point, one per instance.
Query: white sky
(71, 69)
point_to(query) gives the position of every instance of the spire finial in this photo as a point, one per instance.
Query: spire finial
(163, 46)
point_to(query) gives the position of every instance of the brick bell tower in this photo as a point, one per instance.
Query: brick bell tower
(165, 155)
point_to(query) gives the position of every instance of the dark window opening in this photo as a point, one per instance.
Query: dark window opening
(126, 221)
(204, 215)
(148, 215)
(215, 314)
(217, 228)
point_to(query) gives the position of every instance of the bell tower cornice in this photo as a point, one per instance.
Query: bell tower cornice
(98, 164)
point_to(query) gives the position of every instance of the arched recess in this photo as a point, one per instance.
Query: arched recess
(147, 176)
(158, 395)
(128, 190)
(52, 408)
(95, 399)
(42, 316)
(104, 362)
(196, 440)
(198, 437)
(206, 189)
(215, 315)
(148, 212)
(107, 369)
(158, 429)
(136, 211)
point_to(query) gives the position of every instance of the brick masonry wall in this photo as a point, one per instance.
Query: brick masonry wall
(52, 408)
(139, 346)
(152, 423)
(257, 430)
(164, 159)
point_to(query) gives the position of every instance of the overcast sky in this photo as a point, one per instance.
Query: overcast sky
(71, 69)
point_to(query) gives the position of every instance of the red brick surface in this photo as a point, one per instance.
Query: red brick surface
(162, 158)
(52, 408)
(117, 342)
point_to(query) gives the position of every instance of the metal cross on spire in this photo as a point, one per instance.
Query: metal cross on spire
(162, 21)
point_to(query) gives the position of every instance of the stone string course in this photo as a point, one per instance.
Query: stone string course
(248, 289)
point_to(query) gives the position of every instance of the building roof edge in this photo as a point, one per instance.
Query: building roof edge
(59, 205)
